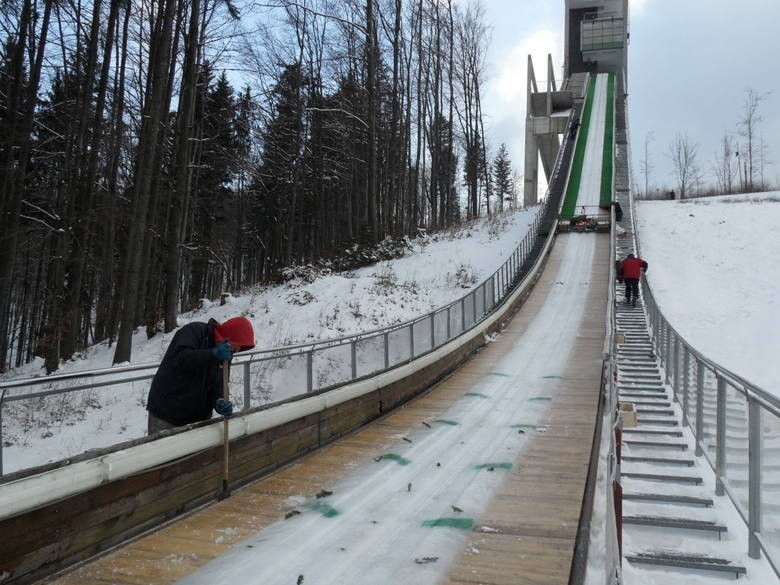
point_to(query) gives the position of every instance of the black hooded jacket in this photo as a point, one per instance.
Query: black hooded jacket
(188, 382)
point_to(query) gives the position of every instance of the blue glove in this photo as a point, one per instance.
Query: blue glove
(224, 407)
(223, 352)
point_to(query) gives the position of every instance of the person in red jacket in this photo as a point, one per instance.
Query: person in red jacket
(630, 271)
(188, 383)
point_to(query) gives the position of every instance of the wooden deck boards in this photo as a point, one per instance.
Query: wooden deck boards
(535, 511)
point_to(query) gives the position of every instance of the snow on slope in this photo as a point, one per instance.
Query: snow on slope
(437, 270)
(714, 269)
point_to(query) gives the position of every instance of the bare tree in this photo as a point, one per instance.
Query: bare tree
(147, 167)
(646, 165)
(683, 155)
(725, 166)
(748, 129)
(470, 58)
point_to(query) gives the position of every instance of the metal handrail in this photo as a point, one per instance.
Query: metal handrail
(467, 312)
(683, 363)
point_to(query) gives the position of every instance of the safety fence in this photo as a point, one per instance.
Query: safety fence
(737, 429)
(328, 363)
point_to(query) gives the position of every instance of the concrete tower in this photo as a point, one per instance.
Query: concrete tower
(596, 37)
(596, 42)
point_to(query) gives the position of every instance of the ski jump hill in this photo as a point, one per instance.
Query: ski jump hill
(484, 454)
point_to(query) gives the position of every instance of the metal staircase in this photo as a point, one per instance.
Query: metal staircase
(669, 519)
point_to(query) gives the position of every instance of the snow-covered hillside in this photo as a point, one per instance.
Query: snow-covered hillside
(712, 261)
(436, 270)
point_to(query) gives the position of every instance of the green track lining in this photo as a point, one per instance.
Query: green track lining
(575, 177)
(609, 139)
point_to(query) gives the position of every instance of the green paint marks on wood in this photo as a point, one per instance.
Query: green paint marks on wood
(393, 457)
(443, 421)
(500, 374)
(541, 398)
(493, 466)
(324, 509)
(523, 426)
(477, 394)
(552, 377)
(462, 523)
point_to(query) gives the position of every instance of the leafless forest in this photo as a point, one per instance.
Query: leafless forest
(156, 152)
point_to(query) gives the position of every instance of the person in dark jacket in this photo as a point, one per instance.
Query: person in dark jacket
(631, 270)
(188, 383)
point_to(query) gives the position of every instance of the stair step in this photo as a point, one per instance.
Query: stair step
(651, 403)
(683, 561)
(669, 499)
(652, 432)
(632, 396)
(632, 383)
(657, 421)
(657, 444)
(682, 523)
(662, 460)
(661, 477)
(666, 411)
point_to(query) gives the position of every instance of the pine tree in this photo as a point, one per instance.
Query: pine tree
(502, 176)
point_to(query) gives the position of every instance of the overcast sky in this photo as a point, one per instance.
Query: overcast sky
(690, 65)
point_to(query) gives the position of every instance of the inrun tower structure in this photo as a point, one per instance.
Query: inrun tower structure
(596, 37)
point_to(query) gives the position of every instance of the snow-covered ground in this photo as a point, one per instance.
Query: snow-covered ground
(380, 552)
(712, 265)
(714, 269)
(435, 271)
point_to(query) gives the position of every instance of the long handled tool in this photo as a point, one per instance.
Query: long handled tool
(226, 432)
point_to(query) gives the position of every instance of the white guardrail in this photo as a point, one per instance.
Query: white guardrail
(32, 491)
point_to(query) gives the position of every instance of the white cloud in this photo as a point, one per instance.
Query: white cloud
(638, 6)
(505, 92)
(510, 83)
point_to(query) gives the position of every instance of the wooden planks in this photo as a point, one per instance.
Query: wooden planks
(535, 513)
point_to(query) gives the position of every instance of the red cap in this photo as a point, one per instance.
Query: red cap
(238, 330)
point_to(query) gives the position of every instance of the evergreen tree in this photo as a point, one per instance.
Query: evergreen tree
(502, 176)
(212, 235)
(278, 178)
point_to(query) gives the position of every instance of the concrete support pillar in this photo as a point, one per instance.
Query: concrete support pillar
(542, 129)
(531, 172)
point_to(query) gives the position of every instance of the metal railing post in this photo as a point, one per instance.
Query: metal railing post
(676, 366)
(387, 349)
(686, 382)
(353, 358)
(247, 386)
(433, 330)
(699, 406)
(411, 342)
(449, 325)
(309, 370)
(720, 436)
(474, 306)
(754, 478)
(667, 354)
(1, 432)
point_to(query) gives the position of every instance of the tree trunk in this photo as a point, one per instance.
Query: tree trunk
(183, 174)
(146, 164)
